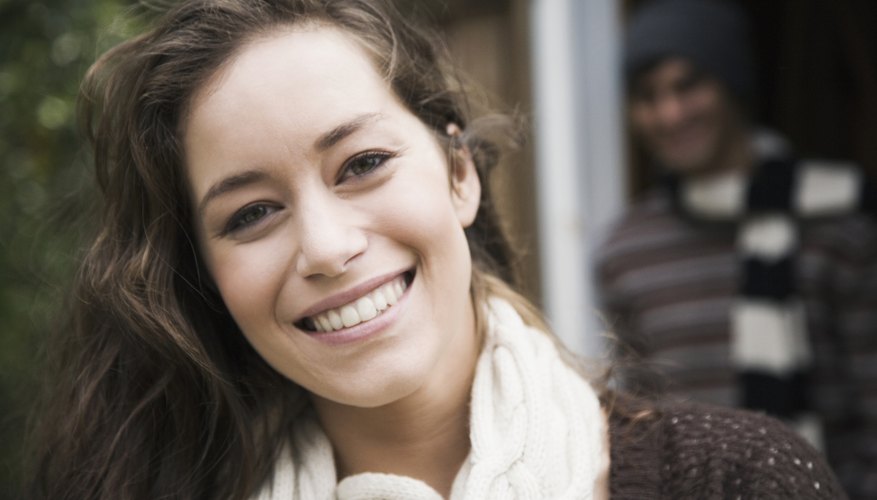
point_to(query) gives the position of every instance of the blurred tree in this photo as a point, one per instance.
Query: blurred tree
(45, 48)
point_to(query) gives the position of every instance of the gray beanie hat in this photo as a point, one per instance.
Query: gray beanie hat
(712, 34)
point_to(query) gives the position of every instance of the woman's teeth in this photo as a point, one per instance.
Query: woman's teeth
(360, 310)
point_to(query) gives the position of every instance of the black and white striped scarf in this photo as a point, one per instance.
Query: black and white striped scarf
(768, 205)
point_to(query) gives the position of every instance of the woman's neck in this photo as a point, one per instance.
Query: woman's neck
(424, 435)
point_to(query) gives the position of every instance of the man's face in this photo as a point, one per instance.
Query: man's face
(683, 117)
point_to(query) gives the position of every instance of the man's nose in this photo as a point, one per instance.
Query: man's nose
(669, 108)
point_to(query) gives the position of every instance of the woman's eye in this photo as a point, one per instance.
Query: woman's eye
(363, 164)
(246, 217)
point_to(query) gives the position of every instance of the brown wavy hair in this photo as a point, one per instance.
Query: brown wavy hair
(154, 391)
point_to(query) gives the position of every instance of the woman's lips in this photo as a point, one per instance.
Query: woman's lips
(359, 310)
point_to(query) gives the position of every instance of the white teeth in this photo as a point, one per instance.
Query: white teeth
(349, 316)
(366, 309)
(325, 324)
(380, 300)
(362, 309)
(334, 321)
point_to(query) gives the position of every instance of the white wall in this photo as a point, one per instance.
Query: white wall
(579, 154)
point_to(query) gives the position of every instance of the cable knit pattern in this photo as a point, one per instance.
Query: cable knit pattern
(305, 471)
(536, 425)
(536, 430)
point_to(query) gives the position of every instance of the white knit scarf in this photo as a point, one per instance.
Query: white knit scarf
(536, 430)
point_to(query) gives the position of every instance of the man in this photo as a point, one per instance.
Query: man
(748, 277)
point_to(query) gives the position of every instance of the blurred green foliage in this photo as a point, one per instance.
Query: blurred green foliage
(45, 48)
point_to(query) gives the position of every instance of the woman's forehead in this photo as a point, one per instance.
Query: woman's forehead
(318, 75)
(278, 100)
(302, 49)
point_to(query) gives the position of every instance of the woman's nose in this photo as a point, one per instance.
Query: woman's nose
(330, 241)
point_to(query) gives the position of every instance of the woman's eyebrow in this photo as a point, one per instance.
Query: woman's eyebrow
(231, 183)
(322, 143)
(338, 133)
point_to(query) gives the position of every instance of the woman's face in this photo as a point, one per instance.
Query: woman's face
(328, 219)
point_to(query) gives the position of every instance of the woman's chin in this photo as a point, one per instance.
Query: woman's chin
(385, 389)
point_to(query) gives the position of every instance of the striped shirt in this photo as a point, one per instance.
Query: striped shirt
(667, 286)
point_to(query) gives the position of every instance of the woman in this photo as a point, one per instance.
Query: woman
(297, 291)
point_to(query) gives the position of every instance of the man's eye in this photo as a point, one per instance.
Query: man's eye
(363, 164)
(690, 82)
(247, 217)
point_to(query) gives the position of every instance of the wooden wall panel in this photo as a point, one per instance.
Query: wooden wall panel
(489, 40)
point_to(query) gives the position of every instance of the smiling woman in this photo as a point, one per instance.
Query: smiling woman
(347, 205)
(299, 289)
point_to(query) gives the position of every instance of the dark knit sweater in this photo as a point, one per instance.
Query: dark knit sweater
(683, 451)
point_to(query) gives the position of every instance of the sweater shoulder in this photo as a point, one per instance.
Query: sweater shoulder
(850, 237)
(702, 451)
(653, 206)
(725, 452)
(649, 220)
